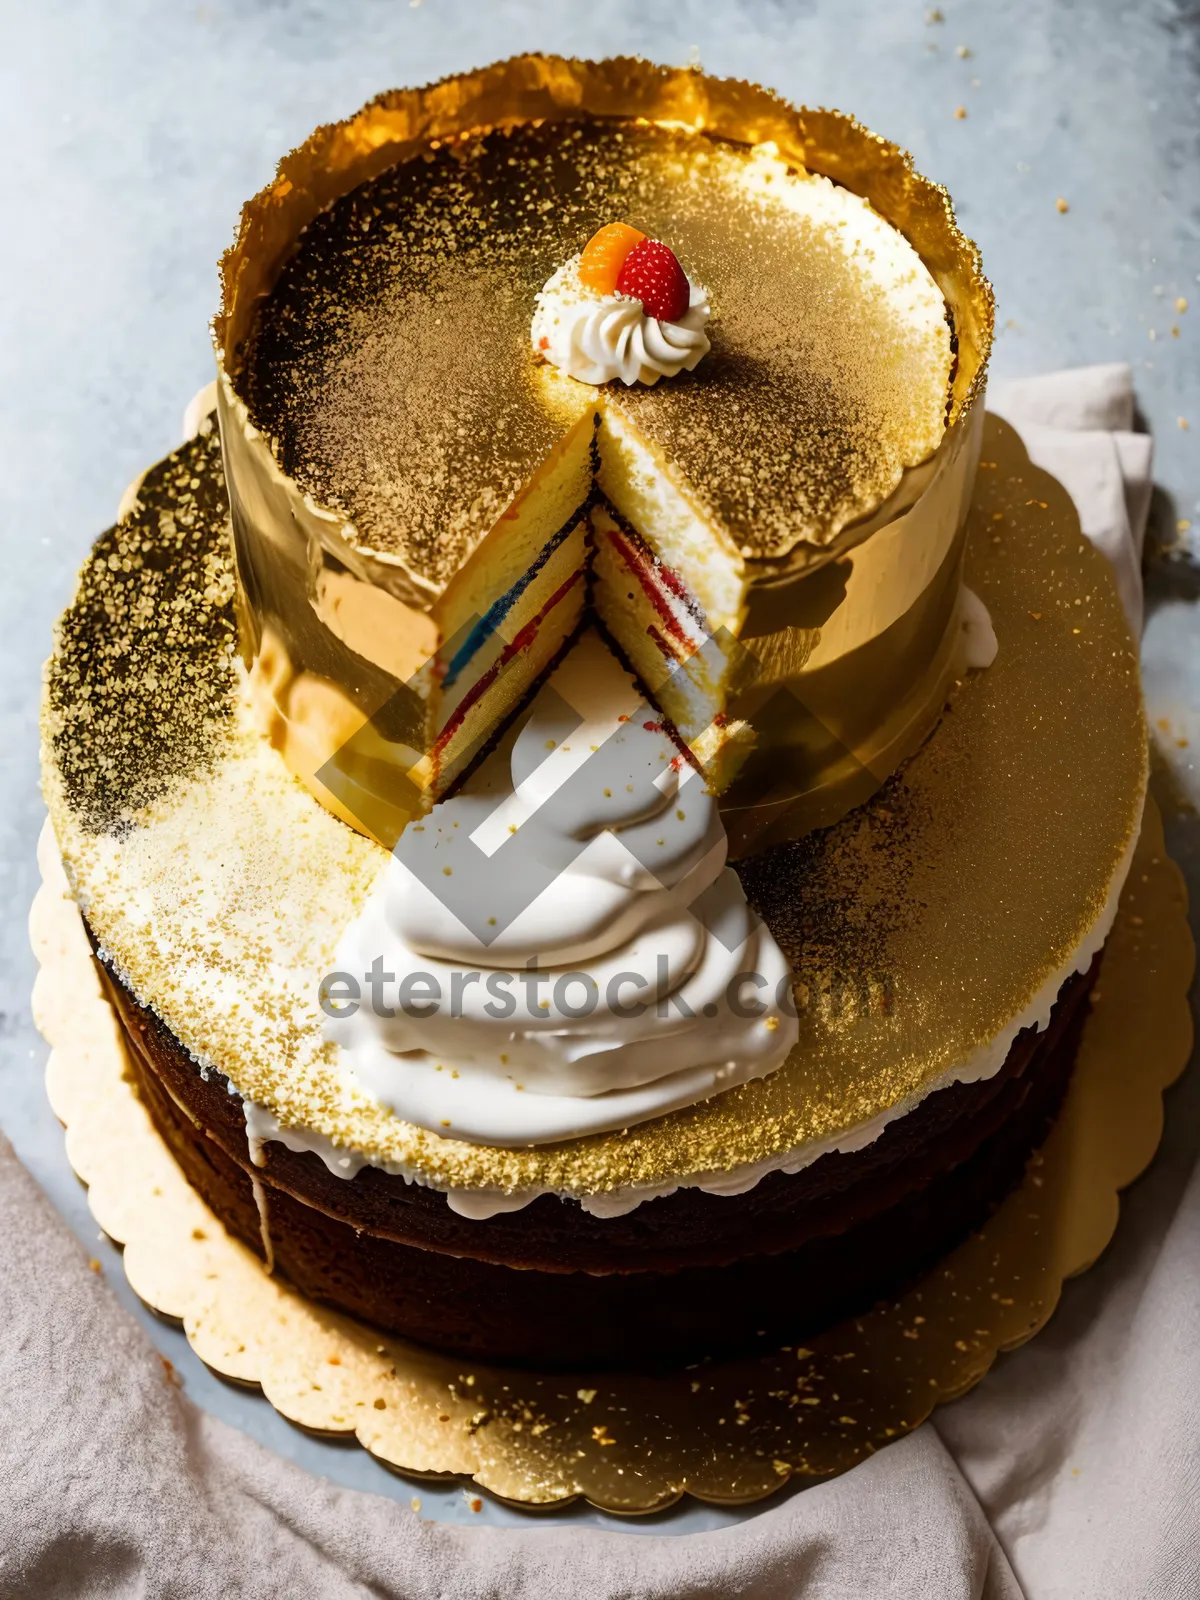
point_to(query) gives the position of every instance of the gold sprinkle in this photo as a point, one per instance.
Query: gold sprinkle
(1181, 304)
(1061, 206)
(960, 113)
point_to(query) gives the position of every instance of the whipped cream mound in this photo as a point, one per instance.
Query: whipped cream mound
(563, 950)
(597, 338)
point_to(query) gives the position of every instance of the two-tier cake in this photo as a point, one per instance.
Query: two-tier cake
(502, 758)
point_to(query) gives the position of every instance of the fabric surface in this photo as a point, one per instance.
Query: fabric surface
(1072, 1470)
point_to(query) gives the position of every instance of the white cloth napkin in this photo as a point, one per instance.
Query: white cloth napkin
(1071, 1471)
(1078, 425)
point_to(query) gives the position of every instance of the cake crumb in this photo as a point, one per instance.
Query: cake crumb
(95, 1265)
(1184, 423)
(960, 113)
(1061, 206)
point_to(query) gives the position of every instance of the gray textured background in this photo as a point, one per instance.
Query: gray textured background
(134, 129)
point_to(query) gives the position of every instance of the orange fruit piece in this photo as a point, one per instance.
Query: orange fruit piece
(604, 256)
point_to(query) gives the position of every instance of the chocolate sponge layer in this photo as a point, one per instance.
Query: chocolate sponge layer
(680, 1277)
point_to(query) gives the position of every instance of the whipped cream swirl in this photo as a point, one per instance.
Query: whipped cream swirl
(600, 964)
(597, 338)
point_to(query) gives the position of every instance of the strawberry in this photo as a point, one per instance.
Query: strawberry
(652, 274)
(604, 255)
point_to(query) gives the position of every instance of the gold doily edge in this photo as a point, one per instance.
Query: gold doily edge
(727, 1435)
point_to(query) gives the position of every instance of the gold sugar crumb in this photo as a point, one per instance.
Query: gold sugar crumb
(960, 113)
(1183, 423)
(1061, 206)
(1181, 304)
(962, 51)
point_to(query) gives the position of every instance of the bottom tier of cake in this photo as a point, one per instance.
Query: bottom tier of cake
(683, 1277)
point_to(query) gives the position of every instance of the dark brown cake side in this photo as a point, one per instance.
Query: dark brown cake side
(679, 1278)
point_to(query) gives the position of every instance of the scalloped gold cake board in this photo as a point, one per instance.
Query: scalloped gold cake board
(729, 1434)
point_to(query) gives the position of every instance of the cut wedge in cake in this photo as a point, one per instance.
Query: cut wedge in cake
(426, 510)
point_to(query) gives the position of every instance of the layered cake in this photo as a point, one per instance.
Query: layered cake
(600, 854)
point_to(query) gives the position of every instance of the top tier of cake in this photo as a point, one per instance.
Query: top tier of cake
(425, 511)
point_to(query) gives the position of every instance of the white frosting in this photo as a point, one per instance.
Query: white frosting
(597, 338)
(978, 642)
(635, 981)
(975, 1066)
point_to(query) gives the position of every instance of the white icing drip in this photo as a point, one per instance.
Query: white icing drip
(264, 1221)
(263, 1125)
(978, 643)
(597, 338)
(635, 982)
